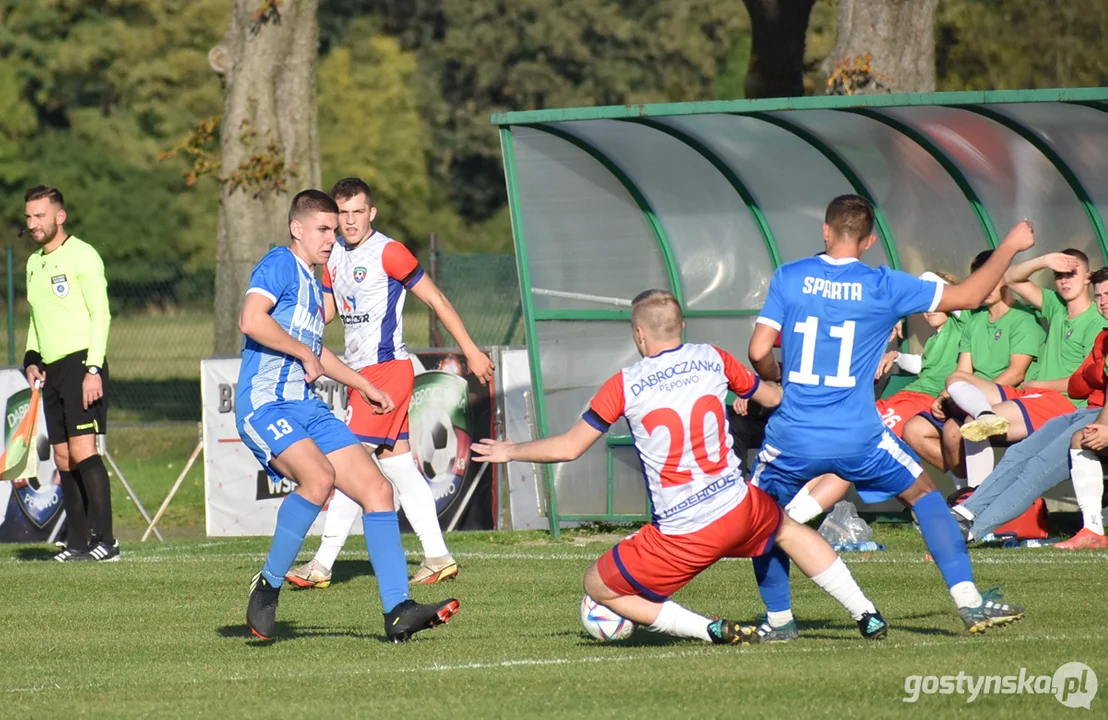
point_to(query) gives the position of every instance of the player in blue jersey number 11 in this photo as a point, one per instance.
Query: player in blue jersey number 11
(293, 434)
(834, 315)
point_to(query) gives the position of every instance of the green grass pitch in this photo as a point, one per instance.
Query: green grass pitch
(162, 634)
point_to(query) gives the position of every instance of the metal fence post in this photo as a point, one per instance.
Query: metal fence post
(10, 262)
(433, 266)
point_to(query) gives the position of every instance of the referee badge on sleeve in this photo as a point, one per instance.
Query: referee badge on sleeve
(60, 285)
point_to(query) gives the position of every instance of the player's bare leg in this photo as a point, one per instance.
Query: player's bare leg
(817, 497)
(668, 617)
(923, 437)
(945, 542)
(819, 561)
(953, 456)
(418, 504)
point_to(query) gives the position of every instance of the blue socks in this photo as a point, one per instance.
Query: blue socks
(944, 540)
(772, 573)
(294, 518)
(386, 554)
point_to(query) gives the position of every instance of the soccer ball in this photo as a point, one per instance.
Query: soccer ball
(602, 623)
(437, 447)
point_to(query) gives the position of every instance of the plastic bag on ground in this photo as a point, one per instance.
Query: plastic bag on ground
(842, 525)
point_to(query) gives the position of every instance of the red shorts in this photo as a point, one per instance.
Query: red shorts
(655, 565)
(897, 409)
(1037, 405)
(396, 377)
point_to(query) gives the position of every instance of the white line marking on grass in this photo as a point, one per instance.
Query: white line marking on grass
(531, 662)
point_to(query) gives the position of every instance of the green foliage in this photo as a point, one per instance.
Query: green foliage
(1011, 44)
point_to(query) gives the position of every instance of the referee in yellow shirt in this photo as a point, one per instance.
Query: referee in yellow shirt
(66, 345)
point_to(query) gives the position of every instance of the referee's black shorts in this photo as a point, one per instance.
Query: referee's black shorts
(63, 400)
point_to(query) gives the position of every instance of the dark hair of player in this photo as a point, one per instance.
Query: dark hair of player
(850, 216)
(980, 259)
(42, 191)
(1099, 276)
(349, 187)
(309, 202)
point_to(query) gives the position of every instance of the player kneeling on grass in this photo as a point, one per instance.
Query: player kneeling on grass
(704, 511)
(293, 434)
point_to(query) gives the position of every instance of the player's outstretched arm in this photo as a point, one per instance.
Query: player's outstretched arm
(479, 363)
(970, 293)
(336, 369)
(760, 352)
(257, 324)
(329, 308)
(568, 446)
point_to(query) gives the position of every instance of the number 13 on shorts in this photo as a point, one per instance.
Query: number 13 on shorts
(279, 429)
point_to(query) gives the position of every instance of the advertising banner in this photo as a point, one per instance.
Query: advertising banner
(449, 411)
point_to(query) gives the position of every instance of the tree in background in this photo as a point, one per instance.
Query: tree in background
(1011, 44)
(883, 46)
(268, 143)
(779, 29)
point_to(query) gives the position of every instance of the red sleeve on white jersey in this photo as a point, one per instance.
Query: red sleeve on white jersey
(741, 381)
(607, 405)
(400, 264)
(327, 280)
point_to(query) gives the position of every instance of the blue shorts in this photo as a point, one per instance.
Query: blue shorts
(878, 475)
(270, 429)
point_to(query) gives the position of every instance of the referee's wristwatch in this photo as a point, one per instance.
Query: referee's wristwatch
(93, 369)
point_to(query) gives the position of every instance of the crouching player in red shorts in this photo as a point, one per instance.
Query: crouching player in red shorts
(704, 510)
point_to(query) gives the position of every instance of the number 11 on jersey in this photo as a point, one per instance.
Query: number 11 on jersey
(809, 330)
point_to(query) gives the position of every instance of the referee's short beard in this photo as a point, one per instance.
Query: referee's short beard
(49, 232)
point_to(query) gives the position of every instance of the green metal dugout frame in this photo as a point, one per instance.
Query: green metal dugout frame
(714, 237)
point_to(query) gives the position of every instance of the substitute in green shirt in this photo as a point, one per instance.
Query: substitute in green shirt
(940, 357)
(991, 344)
(1068, 340)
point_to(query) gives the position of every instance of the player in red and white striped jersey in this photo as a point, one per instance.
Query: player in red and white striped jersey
(365, 282)
(703, 509)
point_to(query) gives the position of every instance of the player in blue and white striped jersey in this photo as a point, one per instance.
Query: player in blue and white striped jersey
(293, 434)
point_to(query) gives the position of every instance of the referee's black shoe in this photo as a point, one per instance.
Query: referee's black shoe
(409, 617)
(261, 613)
(103, 552)
(70, 555)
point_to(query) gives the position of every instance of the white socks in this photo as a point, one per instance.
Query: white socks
(676, 620)
(969, 398)
(1088, 486)
(418, 503)
(979, 461)
(803, 507)
(415, 499)
(837, 582)
(779, 619)
(965, 595)
(341, 515)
